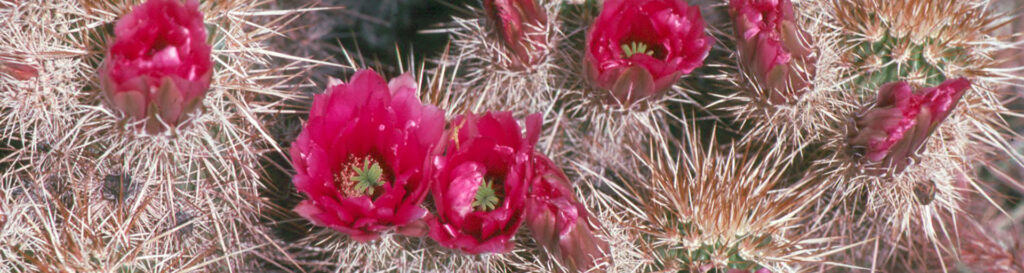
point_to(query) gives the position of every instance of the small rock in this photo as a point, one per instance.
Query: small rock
(119, 188)
(182, 218)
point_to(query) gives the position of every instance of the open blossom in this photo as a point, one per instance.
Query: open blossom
(480, 188)
(521, 28)
(559, 222)
(158, 68)
(640, 48)
(362, 156)
(900, 122)
(771, 47)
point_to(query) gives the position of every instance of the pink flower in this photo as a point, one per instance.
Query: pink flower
(158, 67)
(771, 47)
(362, 158)
(900, 122)
(520, 26)
(481, 183)
(640, 48)
(560, 223)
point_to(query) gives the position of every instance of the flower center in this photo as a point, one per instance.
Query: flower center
(158, 45)
(486, 197)
(633, 48)
(360, 176)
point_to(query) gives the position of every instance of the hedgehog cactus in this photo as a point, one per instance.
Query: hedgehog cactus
(505, 49)
(909, 40)
(899, 157)
(728, 136)
(75, 158)
(715, 210)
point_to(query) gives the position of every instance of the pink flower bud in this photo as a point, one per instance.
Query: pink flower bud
(898, 124)
(158, 68)
(19, 68)
(640, 48)
(771, 47)
(521, 27)
(560, 223)
(362, 157)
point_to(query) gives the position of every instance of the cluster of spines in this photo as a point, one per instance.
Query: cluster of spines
(124, 193)
(581, 116)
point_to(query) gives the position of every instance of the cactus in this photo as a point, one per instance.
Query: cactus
(674, 135)
(132, 202)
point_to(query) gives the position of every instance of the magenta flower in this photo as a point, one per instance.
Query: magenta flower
(157, 70)
(771, 47)
(640, 48)
(900, 122)
(362, 158)
(481, 184)
(520, 26)
(560, 223)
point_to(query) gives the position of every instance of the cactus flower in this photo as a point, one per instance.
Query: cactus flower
(640, 48)
(520, 27)
(901, 120)
(480, 187)
(158, 68)
(772, 48)
(560, 223)
(361, 158)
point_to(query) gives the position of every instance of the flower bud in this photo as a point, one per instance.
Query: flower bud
(560, 223)
(19, 68)
(772, 48)
(897, 125)
(521, 27)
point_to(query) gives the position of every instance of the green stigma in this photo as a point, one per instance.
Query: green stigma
(630, 49)
(486, 199)
(368, 177)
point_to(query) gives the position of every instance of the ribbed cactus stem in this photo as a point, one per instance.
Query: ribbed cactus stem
(708, 253)
(893, 58)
